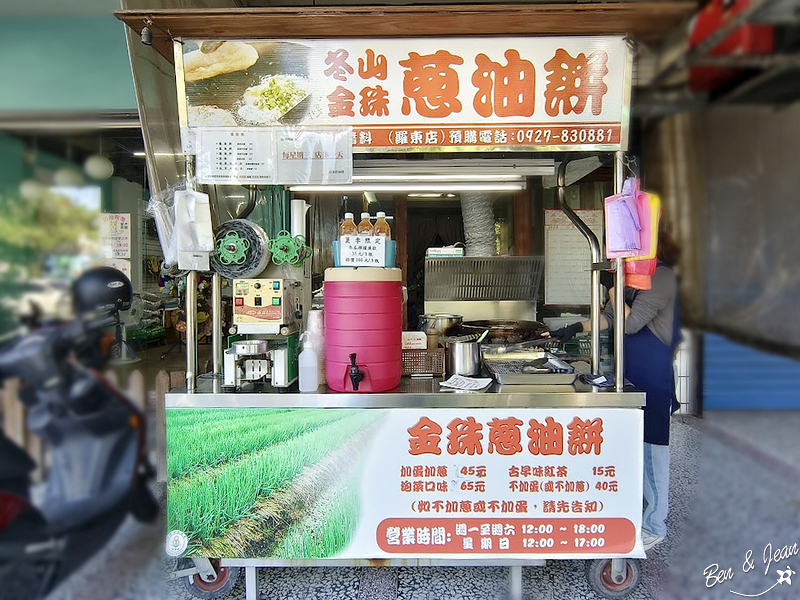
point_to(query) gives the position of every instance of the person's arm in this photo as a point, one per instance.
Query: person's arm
(566, 333)
(604, 322)
(648, 303)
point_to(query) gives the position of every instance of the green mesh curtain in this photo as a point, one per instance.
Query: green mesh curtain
(272, 209)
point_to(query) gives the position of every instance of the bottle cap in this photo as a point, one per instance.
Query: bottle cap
(348, 215)
(381, 214)
(365, 215)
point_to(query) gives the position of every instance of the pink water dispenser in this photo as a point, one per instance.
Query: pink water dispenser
(363, 329)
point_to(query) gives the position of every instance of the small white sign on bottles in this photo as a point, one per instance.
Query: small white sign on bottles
(362, 251)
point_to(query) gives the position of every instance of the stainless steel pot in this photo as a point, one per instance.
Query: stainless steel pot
(463, 358)
(440, 322)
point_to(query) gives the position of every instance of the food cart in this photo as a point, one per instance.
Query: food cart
(510, 475)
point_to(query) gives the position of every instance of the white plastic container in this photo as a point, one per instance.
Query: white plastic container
(307, 367)
(315, 327)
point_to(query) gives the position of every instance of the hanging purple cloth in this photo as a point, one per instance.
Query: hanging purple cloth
(622, 222)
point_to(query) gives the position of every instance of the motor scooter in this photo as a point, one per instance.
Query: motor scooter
(98, 473)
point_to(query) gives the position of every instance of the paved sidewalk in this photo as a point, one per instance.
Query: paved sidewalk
(735, 486)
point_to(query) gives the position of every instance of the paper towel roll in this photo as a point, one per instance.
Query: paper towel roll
(299, 209)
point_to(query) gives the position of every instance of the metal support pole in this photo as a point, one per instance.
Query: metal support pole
(250, 583)
(594, 246)
(595, 316)
(619, 289)
(216, 322)
(191, 331)
(619, 568)
(205, 569)
(191, 305)
(515, 583)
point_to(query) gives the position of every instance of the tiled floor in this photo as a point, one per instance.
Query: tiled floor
(734, 487)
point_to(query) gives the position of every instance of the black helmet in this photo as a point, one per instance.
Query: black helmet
(101, 288)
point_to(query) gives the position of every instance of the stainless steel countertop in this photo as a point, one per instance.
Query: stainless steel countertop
(411, 393)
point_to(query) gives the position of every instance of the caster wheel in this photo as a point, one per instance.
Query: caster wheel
(598, 573)
(220, 587)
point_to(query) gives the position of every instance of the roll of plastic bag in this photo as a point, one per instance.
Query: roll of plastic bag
(193, 230)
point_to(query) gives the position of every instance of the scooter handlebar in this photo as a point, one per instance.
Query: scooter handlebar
(61, 341)
(73, 335)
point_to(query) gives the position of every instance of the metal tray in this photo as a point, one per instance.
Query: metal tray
(509, 372)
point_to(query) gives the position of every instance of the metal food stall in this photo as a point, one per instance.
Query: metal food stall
(534, 467)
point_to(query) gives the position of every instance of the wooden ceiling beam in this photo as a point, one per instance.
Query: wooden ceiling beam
(644, 21)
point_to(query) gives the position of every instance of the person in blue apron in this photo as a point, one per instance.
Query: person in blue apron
(652, 335)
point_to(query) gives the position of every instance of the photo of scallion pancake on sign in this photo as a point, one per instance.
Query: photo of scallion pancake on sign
(256, 83)
(218, 58)
(210, 116)
(272, 99)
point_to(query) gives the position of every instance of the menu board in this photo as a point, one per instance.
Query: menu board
(459, 483)
(280, 155)
(568, 259)
(416, 94)
(235, 155)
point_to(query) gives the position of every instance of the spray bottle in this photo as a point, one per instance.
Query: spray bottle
(307, 367)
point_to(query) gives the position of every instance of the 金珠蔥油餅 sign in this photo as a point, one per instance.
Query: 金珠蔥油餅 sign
(564, 93)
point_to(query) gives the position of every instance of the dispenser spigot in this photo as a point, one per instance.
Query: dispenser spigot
(356, 375)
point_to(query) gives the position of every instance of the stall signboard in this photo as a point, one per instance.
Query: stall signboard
(416, 94)
(439, 484)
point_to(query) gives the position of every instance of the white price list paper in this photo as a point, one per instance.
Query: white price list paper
(362, 251)
(568, 259)
(318, 156)
(459, 382)
(236, 155)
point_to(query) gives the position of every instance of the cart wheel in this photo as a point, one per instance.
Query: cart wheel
(598, 573)
(220, 587)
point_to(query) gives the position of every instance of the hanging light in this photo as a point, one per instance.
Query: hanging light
(98, 167)
(68, 177)
(31, 189)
